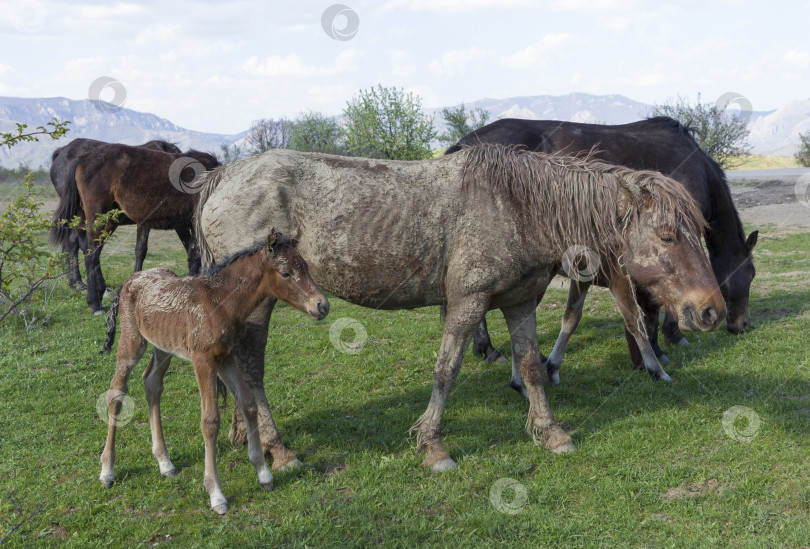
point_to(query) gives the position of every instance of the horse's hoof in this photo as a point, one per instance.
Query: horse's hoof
(220, 509)
(78, 286)
(446, 464)
(268, 486)
(291, 465)
(663, 376)
(500, 360)
(109, 292)
(106, 482)
(567, 448)
(170, 473)
(663, 359)
(519, 388)
(683, 341)
(99, 312)
(495, 357)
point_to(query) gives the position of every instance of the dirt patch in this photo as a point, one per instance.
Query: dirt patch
(771, 202)
(694, 490)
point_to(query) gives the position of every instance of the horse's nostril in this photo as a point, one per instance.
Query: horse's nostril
(323, 307)
(708, 316)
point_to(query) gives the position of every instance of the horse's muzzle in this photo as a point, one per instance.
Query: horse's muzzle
(319, 309)
(695, 318)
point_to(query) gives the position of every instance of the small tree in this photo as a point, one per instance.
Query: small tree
(803, 154)
(388, 123)
(460, 122)
(229, 153)
(266, 134)
(722, 135)
(315, 132)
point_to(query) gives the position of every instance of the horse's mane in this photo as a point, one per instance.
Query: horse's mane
(576, 200)
(281, 241)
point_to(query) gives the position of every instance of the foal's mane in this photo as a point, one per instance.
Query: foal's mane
(576, 200)
(281, 241)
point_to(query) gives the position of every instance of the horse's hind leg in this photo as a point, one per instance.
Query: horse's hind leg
(192, 250)
(230, 374)
(540, 423)
(131, 347)
(249, 353)
(141, 245)
(205, 369)
(459, 324)
(72, 249)
(153, 385)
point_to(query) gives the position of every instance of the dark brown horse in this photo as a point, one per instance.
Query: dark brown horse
(200, 319)
(660, 144)
(60, 162)
(155, 190)
(398, 235)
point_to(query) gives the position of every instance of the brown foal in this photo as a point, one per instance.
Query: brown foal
(200, 319)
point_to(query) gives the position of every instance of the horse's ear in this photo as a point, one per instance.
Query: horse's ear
(752, 241)
(293, 237)
(632, 192)
(272, 238)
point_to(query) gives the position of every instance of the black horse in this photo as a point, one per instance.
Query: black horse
(60, 161)
(665, 145)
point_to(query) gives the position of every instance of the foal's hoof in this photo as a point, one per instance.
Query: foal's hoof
(446, 464)
(663, 359)
(220, 509)
(291, 465)
(567, 448)
(99, 312)
(519, 388)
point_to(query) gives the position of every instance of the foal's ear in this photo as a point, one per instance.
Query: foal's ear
(752, 240)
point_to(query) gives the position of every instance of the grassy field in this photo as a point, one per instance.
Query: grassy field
(759, 162)
(656, 464)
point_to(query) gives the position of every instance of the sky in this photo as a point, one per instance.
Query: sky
(217, 66)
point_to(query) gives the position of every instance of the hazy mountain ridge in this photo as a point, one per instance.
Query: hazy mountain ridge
(775, 132)
(96, 121)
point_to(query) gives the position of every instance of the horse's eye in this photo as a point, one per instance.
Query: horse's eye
(667, 238)
(285, 275)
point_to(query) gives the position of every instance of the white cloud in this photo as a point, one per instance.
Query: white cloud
(454, 62)
(116, 11)
(589, 7)
(292, 65)
(540, 53)
(84, 64)
(800, 59)
(455, 6)
(158, 33)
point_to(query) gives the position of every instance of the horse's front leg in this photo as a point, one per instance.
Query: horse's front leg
(232, 376)
(463, 315)
(540, 423)
(634, 323)
(249, 354)
(673, 334)
(577, 292)
(205, 368)
(95, 280)
(189, 241)
(141, 246)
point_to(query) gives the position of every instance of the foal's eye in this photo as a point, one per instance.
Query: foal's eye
(285, 275)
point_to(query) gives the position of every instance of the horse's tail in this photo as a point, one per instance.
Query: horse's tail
(112, 315)
(210, 182)
(70, 205)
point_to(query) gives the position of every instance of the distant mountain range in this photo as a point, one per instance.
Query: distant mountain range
(772, 133)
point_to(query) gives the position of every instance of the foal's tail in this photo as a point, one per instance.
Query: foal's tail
(70, 205)
(112, 315)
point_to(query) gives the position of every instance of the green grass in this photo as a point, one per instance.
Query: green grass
(653, 467)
